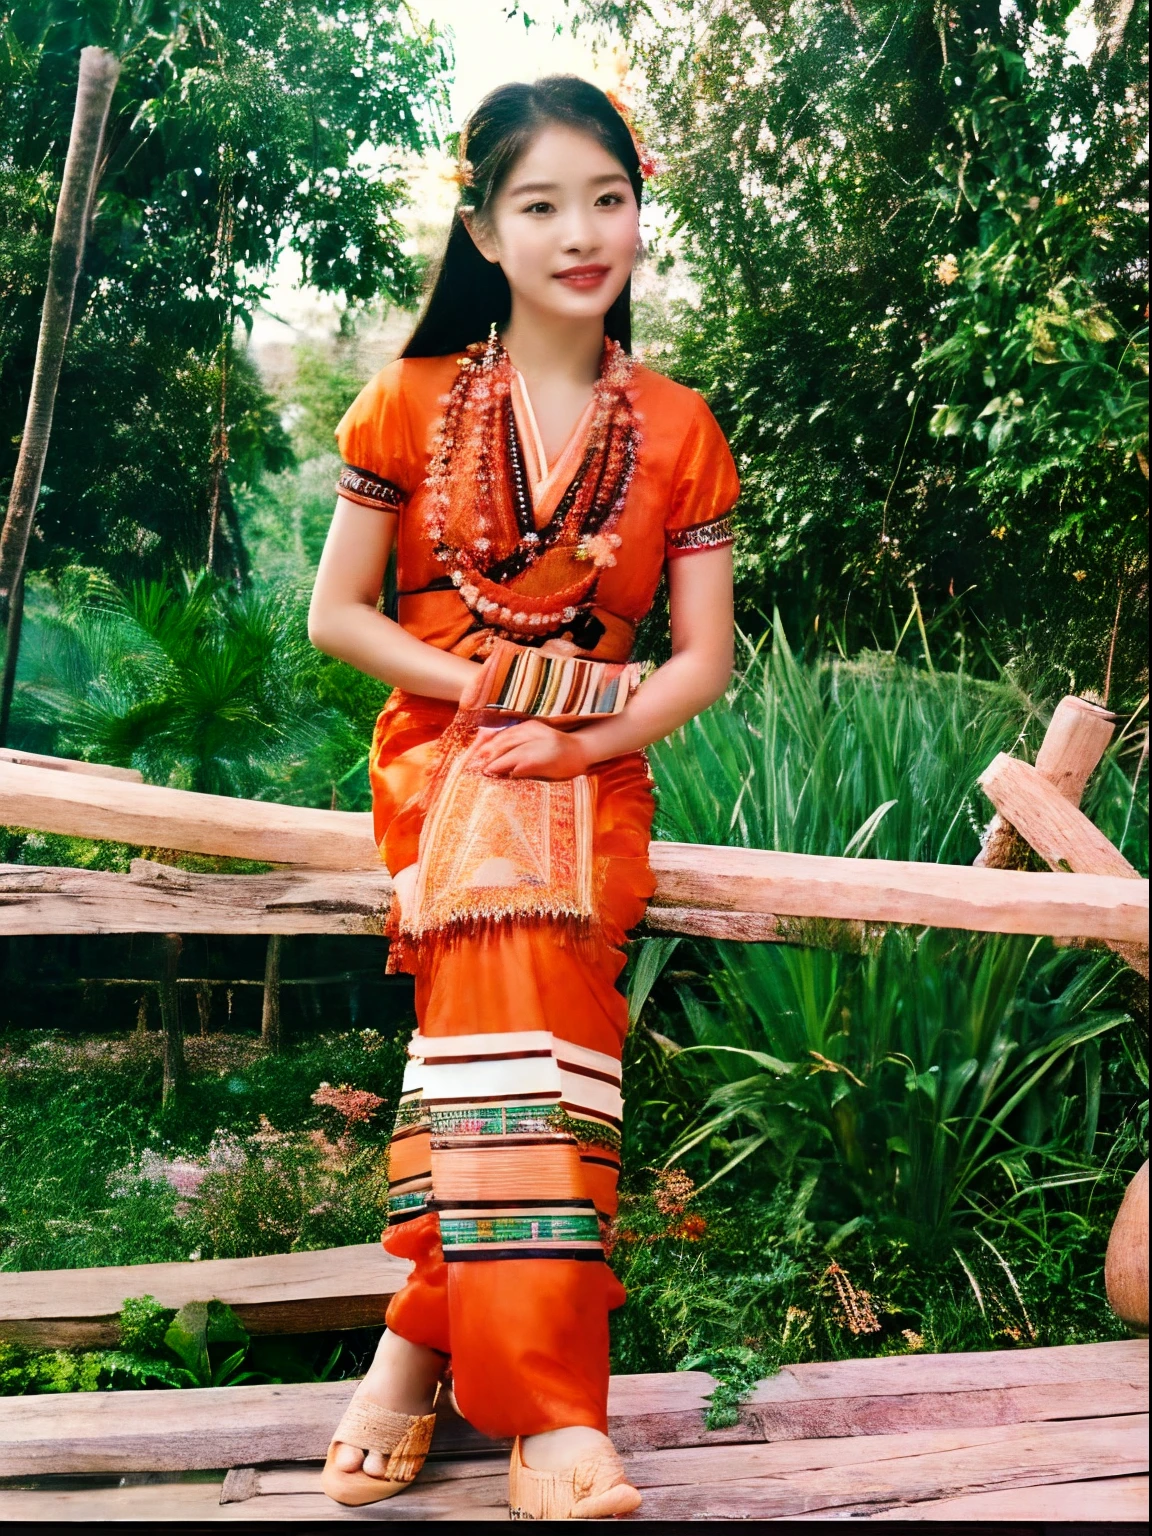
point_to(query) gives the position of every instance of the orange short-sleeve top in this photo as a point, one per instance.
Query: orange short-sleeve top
(678, 502)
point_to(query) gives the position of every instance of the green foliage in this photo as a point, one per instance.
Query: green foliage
(198, 686)
(918, 249)
(926, 1072)
(1036, 367)
(911, 1075)
(94, 1172)
(904, 1140)
(234, 132)
(743, 1286)
(143, 1324)
(323, 388)
(160, 1347)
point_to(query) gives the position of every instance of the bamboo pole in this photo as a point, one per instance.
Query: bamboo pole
(99, 71)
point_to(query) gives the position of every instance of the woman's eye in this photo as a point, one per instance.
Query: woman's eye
(538, 208)
(609, 199)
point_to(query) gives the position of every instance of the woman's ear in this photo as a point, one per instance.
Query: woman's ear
(481, 232)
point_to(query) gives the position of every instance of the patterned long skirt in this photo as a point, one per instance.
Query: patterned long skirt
(506, 1152)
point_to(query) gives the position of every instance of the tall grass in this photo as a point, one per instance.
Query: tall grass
(930, 1076)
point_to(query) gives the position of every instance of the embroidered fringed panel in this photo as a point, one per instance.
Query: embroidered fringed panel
(523, 1138)
(499, 849)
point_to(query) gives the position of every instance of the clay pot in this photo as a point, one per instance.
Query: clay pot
(1126, 1266)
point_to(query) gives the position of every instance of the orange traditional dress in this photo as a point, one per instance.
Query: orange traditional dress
(506, 1153)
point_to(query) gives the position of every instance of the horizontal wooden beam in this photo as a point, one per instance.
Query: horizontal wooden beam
(69, 765)
(282, 1293)
(81, 1432)
(761, 893)
(735, 893)
(156, 898)
(802, 885)
(150, 816)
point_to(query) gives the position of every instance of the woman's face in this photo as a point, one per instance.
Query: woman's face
(564, 227)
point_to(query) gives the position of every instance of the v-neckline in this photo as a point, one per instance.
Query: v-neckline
(547, 485)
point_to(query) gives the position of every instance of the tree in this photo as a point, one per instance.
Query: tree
(98, 73)
(236, 131)
(920, 261)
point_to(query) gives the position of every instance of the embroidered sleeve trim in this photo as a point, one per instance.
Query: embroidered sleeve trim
(369, 490)
(686, 541)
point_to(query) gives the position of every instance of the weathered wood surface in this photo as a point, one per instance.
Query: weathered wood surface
(1061, 834)
(1097, 1499)
(997, 1473)
(1076, 739)
(866, 1474)
(739, 893)
(747, 880)
(68, 765)
(1058, 830)
(149, 815)
(283, 1293)
(1073, 1460)
(152, 1503)
(156, 898)
(239, 1426)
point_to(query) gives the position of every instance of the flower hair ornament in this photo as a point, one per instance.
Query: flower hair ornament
(649, 165)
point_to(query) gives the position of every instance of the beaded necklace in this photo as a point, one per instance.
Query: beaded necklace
(524, 582)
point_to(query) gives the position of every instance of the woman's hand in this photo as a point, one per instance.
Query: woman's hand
(533, 750)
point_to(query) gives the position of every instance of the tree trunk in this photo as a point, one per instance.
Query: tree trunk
(170, 1018)
(99, 71)
(11, 650)
(204, 1007)
(270, 1017)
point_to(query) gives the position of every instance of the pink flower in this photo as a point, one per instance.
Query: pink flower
(352, 1104)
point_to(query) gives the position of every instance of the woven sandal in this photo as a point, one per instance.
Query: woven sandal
(594, 1489)
(403, 1438)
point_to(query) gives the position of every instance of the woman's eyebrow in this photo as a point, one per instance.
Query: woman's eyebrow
(523, 187)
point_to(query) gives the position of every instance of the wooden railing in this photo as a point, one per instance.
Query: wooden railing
(329, 879)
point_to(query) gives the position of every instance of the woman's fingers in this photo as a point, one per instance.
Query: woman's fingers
(511, 736)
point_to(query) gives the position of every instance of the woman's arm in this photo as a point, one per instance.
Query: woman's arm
(700, 602)
(343, 619)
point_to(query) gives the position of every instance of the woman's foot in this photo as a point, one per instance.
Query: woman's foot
(568, 1474)
(558, 1449)
(402, 1379)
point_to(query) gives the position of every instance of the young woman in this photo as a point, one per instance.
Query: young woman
(535, 483)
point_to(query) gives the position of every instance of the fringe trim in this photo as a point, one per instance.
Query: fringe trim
(409, 952)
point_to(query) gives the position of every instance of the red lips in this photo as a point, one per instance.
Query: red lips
(590, 276)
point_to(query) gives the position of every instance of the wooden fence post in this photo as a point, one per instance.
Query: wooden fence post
(204, 1006)
(1075, 741)
(270, 1016)
(170, 1018)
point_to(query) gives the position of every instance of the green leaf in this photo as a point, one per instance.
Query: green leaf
(187, 1338)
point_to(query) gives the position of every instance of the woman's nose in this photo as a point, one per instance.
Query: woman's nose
(578, 234)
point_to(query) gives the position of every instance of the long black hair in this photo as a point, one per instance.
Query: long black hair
(470, 293)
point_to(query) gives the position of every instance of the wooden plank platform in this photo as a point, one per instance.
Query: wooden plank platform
(1043, 1434)
(282, 1293)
